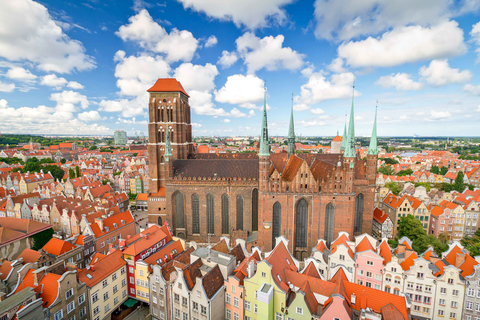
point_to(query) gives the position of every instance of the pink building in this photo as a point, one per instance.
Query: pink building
(441, 221)
(369, 263)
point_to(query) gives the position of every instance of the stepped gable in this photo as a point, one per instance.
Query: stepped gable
(242, 168)
(342, 240)
(212, 281)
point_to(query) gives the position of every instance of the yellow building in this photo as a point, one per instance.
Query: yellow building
(141, 277)
(30, 181)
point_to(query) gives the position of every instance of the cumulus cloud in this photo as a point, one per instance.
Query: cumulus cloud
(226, 120)
(6, 87)
(52, 80)
(75, 85)
(89, 116)
(201, 103)
(196, 77)
(318, 88)
(21, 74)
(311, 123)
(227, 59)
(475, 33)
(148, 34)
(29, 33)
(399, 81)
(347, 19)
(440, 115)
(267, 53)
(439, 73)
(404, 45)
(471, 89)
(240, 12)
(242, 90)
(211, 41)
(317, 111)
(69, 101)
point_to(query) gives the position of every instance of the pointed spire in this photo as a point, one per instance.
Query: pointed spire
(344, 137)
(372, 148)
(168, 147)
(291, 134)
(350, 146)
(264, 149)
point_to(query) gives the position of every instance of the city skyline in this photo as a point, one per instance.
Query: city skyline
(84, 68)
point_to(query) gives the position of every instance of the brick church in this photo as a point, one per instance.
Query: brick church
(257, 197)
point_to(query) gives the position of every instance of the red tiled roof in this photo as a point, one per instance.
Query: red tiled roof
(385, 252)
(58, 247)
(379, 215)
(145, 239)
(167, 85)
(5, 269)
(342, 240)
(29, 256)
(281, 260)
(102, 268)
(311, 270)
(407, 263)
(47, 287)
(364, 245)
(109, 222)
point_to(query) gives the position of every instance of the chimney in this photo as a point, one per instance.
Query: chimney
(122, 243)
(460, 259)
(3, 295)
(128, 236)
(401, 249)
(38, 275)
(99, 221)
(71, 266)
(92, 267)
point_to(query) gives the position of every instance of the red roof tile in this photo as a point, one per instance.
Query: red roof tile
(47, 287)
(58, 247)
(168, 85)
(29, 256)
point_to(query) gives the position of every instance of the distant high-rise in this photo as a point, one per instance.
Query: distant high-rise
(120, 137)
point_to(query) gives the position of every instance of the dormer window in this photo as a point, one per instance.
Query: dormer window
(122, 221)
(115, 225)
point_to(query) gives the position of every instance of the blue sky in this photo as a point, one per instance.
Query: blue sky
(83, 67)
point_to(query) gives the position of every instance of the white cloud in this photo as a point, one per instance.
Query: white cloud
(240, 89)
(346, 19)
(201, 103)
(52, 80)
(250, 13)
(471, 89)
(68, 101)
(211, 41)
(227, 59)
(29, 33)
(226, 121)
(399, 81)
(75, 85)
(439, 73)
(196, 125)
(319, 88)
(337, 65)
(6, 87)
(300, 107)
(440, 115)
(196, 77)
(3, 103)
(405, 44)
(317, 111)
(18, 73)
(176, 45)
(311, 123)
(475, 33)
(267, 53)
(89, 116)
(127, 107)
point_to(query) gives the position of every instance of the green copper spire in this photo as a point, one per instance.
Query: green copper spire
(344, 137)
(168, 147)
(372, 148)
(350, 146)
(291, 134)
(264, 148)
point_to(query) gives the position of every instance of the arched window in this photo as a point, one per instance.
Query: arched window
(179, 210)
(159, 221)
(277, 222)
(358, 213)
(239, 212)
(225, 214)
(329, 223)
(255, 210)
(195, 214)
(210, 214)
(301, 224)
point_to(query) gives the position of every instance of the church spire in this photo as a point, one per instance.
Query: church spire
(291, 134)
(168, 147)
(372, 148)
(350, 146)
(264, 150)
(344, 137)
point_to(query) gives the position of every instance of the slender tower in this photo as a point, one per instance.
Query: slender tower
(264, 150)
(344, 137)
(372, 154)
(291, 135)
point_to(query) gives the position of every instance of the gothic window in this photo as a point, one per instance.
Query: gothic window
(358, 213)
(159, 221)
(276, 222)
(301, 224)
(179, 210)
(329, 223)
(225, 214)
(210, 214)
(239, 212)
(255, 210)
(195, 214)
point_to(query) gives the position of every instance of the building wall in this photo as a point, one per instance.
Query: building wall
(141, 281)
(369, 269)
(393, 277)
(471, 305)
(427, 283)
(69, 281)
(449, 294)
(233, 289)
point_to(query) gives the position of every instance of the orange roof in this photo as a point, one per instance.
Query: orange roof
(110, 222)
(364, 245)
(142, 196)
(160, 193)
(321, 246)
(58, 247)
(167, 85)
(466, 266)
(203, 149)
(145, 239)
(102, 268)
(385, 252)
(79, 240)
(5, 269)
(337, 138)
(29, 256)
(165, 254)
(407, 263)
(47, 287)
(342, 240)
(97, 257)
(379, 215)
(436, 211)
(440, 265)
(281, 261)
(311, 270)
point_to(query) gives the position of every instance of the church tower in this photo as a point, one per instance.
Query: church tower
(291, 136)
(168, 101)
(264, 149)
(372, 154)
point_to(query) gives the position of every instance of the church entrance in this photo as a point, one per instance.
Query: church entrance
(301, 229)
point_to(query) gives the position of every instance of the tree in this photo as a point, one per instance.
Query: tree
(77, 171)
(412, 228)
(46, 160)
(93, 148)
(40, 239)
(56, 171)
(435, 170)
(458, 185)
(71, 173)
(407, 172)
(63, 161)
(386, 170)
(443, 170)
(132, 196)
(472, 243)
(389, 160)
(394, 187)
